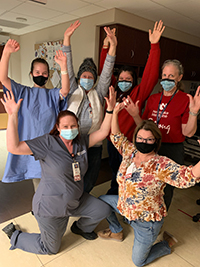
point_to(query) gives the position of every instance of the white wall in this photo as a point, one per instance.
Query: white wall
(85, 43)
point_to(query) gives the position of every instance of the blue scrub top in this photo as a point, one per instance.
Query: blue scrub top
(36, 117)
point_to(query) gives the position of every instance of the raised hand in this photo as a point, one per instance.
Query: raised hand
(195, 101)
(70, 30)
(9, 103)
(61, 59)
(11, 46)
(158, 29)
(111, 36)
(131, 108)
(106, 40)
(111, 100)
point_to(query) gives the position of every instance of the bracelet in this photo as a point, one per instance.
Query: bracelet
(193, 114)
(109, 112)
(63, 72)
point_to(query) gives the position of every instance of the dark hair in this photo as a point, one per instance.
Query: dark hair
(176, 63)
(39, 60)
(149, 125)
(132, 72)
(62, 114)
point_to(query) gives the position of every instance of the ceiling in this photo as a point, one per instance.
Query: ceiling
(183, 15)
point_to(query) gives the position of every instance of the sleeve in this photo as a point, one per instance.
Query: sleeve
(72, 79)
(101, 63)
(176, 175)
(145, 114)
(150, 74)
(17, 89)
(122, 144)
(185, 115)
(103, 55)
(105, 77)
(39, 146)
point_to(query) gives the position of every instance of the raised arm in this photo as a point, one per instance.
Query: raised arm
(67, 49)
(115, 124)
(101, 134)
(151, 71)
(103, 55)
(11, 46)
(190, 127)
(61, 59)
(14, 146)
(70, 30)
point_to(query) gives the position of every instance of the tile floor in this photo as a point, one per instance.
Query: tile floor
(77, 252)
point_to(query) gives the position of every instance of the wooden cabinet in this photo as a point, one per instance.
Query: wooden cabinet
(133, 49)
(133, 45)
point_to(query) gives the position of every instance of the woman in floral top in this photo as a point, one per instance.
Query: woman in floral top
(142, 177)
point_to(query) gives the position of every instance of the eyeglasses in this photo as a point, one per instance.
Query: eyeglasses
(146, 140)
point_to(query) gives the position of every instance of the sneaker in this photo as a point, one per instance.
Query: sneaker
(107, 234)
(171, 240)
(9, 230)
(78, 231)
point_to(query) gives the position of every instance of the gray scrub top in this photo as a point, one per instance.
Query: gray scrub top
(58, 194)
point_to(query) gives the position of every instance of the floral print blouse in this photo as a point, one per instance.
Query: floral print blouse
(141, 189)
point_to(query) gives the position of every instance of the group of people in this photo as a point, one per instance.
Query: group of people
(56, 135)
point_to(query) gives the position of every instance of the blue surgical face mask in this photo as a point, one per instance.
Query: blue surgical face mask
(87, 84)
(168, 84)
(69, 134)
(124, 85)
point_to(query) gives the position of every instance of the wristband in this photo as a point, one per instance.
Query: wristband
(63, 72)
(109, 112)
(193, 114)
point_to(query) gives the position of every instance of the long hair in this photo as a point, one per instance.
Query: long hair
(149, 125)
(62, 114)
(132, 72)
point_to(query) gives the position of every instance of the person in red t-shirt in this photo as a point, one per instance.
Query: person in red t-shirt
(126, 84)
(175, 113)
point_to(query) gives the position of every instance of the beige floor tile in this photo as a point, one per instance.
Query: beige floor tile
(15, 258)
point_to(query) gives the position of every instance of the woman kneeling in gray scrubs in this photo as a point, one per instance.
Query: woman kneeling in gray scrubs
(63, 157)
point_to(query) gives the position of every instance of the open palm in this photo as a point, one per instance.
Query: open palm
(9, 103)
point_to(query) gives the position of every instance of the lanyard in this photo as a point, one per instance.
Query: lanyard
(159, 117)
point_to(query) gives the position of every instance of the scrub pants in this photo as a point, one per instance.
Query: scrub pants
(91, 210)
(144, 251)
(94, 164)
(174, 151)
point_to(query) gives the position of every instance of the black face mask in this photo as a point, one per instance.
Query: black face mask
(144, 147)
(40, 80)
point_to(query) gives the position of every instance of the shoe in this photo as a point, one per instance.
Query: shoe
(171, 240)
(107, 234)
(9, 230)
(78, 231)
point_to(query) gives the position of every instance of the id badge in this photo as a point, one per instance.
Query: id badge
(76, 171)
